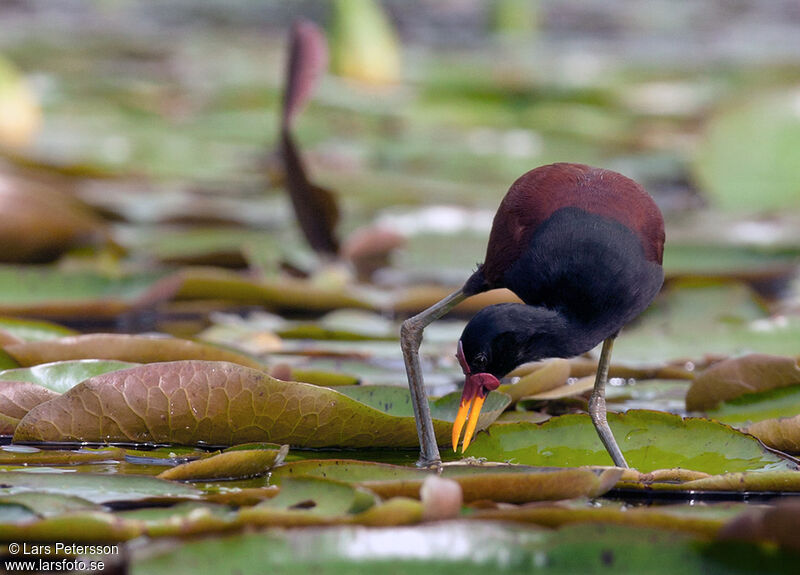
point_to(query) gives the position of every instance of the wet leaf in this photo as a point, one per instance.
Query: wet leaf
(122, 347)
(236, 464)
(61, 376)
(649, 440)
(733, 377)
(219, 403)
(95, 487)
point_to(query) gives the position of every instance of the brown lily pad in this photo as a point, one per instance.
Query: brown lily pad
(782, 433)
(133, 348)
(549, 375)
(219, 403)
(733, 377)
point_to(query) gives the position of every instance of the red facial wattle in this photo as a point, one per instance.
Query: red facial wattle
(476, 387)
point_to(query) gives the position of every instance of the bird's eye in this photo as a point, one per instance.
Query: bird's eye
(480, 361)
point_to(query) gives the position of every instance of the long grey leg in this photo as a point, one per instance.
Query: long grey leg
(597, 405)
(410, 340)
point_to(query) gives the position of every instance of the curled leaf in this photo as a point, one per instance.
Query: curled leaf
(229, 465)
(733, 377)
(782, 433)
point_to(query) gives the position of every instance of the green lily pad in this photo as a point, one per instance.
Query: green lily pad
(320, 496)
(229, 465)
(61, 376)
(712, 319)
(742, 177)
(94, 487)
(397, 401)
(26, 455)
(649, 440)
(458, 547)
(50, 291)
(44, 504)
(91, 527)
(753, 407)
(220, 403)
(33, 330)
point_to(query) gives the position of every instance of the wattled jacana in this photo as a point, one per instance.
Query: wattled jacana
(582, 247)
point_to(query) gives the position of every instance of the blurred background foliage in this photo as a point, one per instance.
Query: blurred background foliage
(153, 127)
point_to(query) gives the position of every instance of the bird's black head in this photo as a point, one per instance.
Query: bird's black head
(501, 337)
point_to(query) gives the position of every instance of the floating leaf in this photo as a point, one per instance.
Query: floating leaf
(26, 455)
(123, 347)
(34, 330)
(492, 482)
(549, 375)
(729, 167)
(771, 481)
(457, 547)
(775, 524)
(757, 407)
(43, 221)
(320, 496)
(569, 389)
(649, 440)
(236, 464)
(282, 294)
(731, 378)
(184, 519)
(61, 376)
(16, 399)
(219, 403)
(91, 527)
(95, 487)
(49, 504)
(712, 319)
(782, 433)
(52, 292)
(705, 522)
